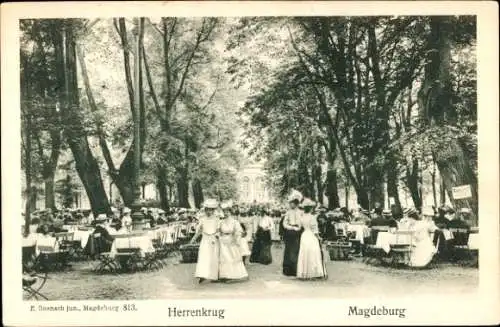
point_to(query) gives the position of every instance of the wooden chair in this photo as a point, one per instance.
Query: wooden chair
(371, 250)
(32, 281)
(51, 257)
(106, 262)
(401, 249)
(66, 244)
(460, 249)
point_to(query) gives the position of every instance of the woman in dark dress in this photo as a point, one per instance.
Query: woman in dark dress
(261, 248)
(291, 235)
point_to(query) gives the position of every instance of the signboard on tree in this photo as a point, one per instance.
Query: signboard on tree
(461, 192)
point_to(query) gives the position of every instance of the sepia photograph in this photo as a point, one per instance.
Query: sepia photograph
(279, 157)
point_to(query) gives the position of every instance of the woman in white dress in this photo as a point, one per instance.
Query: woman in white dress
(127, 220)
(207, 266)
(409, 219)
(423, 248)
(244, 248)
(310, 261)
(231, 265)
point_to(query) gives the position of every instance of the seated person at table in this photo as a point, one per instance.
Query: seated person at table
(460, 220)
(444, 244)
(377, 209)
(103, 242)
(161, 217)
(385, 219)
(127, 219)
(322, 221)
(330, 226)
(346, 215)
(57, 225)
(410, 217)
(444, 216)
(338, 216)
(116, 219)
(361, 217)
(45, 229)
(149, 217)
(423, 248)
(397, 213)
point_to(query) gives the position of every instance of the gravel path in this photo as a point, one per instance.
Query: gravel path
(346, 279)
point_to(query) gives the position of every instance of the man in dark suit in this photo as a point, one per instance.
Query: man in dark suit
(383, 220)
(441, 221)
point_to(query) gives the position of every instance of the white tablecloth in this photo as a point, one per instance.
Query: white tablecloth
(361, 231)
(142, 242)
(42, 243)
(474, 241)
(386, 239)
(82, 236)
(166, 234)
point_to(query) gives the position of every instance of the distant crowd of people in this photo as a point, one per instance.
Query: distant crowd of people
(226, 229)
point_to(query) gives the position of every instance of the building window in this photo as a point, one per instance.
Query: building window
(246, 187)
(259, 188)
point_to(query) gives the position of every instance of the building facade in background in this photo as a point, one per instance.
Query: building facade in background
(252, 184)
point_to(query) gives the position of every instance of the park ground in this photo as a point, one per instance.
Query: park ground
(347, 279)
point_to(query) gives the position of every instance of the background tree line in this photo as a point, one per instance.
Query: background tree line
(374, 101)
(370, 104)
(139, 100)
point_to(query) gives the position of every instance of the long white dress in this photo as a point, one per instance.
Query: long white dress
(207, 265)
(423, 248)
(231, 263)
(310, 262)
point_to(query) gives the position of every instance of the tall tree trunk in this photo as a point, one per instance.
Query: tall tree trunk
(376, 186)
(183, 188)
(436, 107)
(198, 193)
(331, 188)
(442, 191)
(346, 191)
(319, 184)
(49, 192)
(392, 182)
(85, 163)
(162, 189)
(433, 180)
(412, 182)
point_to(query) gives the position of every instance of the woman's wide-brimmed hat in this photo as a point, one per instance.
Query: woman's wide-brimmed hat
(465, 210)
(295, 196)
(210, 204)
(226, 205)
(409, 211)
(101, 217)
(308, 203)
(126, 210)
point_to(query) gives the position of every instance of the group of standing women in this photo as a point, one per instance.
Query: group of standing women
(223, 246)
(220, 255)
(303, 255)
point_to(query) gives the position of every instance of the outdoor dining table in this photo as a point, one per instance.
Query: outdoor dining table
(132, 241)
(41, 243)
(474, 239)
(386, 239)
(361, 231)
(164, 233)
(83, 236)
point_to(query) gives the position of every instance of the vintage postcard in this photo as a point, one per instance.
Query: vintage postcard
(250, 163)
